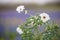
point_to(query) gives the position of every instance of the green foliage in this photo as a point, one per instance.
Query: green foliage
(10, 35)
(31, 31)
(2, 38)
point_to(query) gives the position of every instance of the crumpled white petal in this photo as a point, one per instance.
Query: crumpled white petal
(25, 11)
(19, 30)
(20, 8)
(44, 17)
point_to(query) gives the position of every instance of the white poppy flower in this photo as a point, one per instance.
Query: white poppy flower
(19, 30)
(44, 17)
(20, 8)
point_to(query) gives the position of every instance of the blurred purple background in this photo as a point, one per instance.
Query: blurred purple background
(10, 19)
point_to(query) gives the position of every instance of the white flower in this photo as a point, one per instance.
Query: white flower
(44, 17)
(19, 30)
(20, 8)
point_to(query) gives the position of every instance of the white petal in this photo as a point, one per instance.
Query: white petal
(19, 30)
(18, 11)
(25, 11)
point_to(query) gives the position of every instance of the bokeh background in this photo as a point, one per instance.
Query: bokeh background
(10, 19)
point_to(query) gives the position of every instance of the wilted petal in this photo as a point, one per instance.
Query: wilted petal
(19, 30)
